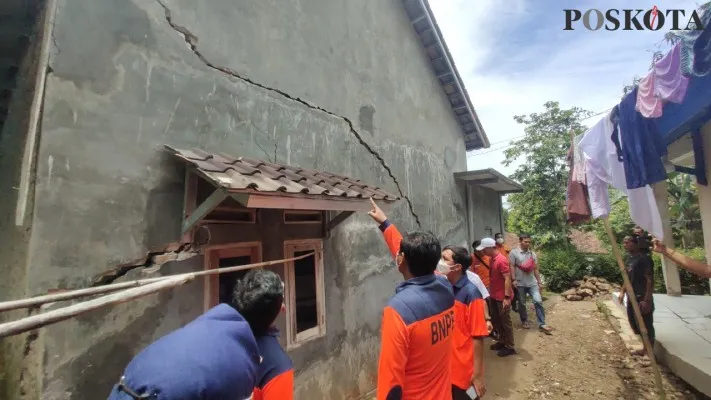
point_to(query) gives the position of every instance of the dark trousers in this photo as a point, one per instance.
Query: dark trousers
(491, 305)
(502, 323)
(459, 394)
(648, 323)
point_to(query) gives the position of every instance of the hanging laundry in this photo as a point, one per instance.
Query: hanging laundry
(642, 146)
(669, 82)
(647, 103)
(691, 45)
(702, 52)
(600, 160)
(578, 160)
(603, 168)
(577, 206)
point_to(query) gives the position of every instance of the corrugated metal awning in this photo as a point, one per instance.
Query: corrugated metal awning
(490, 179)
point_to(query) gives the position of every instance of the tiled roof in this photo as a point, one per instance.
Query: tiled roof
(425, 25)
(242, 173)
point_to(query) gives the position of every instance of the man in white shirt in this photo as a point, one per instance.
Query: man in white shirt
(474, 278)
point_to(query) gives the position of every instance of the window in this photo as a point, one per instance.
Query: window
(303, 217)
(219, 288)
(305, 317)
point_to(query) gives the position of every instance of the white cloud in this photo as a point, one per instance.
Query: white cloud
(514, 58)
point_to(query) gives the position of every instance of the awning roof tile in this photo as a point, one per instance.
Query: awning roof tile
(250, 174)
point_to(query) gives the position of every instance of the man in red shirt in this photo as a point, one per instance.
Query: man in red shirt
(500, 292)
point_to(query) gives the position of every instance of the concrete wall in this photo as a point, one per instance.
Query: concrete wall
(124, 82)
(485, 216)
(15, 239)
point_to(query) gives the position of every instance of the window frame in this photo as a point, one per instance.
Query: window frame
(295, 339)
(213, 254)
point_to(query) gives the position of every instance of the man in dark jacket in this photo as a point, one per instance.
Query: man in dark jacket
(214, 357)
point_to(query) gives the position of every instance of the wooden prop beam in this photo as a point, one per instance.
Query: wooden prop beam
(40, 320)
(73, 294)
(635, 307)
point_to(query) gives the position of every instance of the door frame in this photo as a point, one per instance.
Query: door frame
(213, 254)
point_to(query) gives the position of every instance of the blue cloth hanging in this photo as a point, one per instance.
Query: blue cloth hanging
(642, 145)
(702, 52)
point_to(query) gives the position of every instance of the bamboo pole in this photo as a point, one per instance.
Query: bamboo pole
(73, 294)
(635, 307)
(61, 314)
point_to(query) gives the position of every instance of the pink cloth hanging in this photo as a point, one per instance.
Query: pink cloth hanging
(648, 104)
(670, 84)
(665, 82)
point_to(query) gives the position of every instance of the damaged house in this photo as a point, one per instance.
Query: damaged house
(149, 137)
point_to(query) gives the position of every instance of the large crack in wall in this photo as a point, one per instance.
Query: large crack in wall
(192, 41)
(149, 264)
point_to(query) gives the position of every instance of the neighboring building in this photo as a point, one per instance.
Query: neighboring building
(485, 212)
(366, 90)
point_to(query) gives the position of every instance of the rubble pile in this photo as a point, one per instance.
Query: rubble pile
(589, 288)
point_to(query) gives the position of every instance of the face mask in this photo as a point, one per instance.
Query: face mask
(500, 241)
(443, 267)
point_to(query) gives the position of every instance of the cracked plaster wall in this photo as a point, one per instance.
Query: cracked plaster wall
(124, 81)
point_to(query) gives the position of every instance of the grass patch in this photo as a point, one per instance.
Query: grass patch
(603, 308)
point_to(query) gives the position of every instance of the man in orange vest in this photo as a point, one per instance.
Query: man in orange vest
(418, 322)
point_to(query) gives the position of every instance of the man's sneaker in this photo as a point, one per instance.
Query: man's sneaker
(497, 346)
(505, 352)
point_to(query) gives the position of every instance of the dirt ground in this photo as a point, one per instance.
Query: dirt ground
(584, 359)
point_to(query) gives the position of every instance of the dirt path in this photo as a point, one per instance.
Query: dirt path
(584, 359)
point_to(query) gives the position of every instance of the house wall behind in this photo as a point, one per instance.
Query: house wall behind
(124, 82)
(485, 212)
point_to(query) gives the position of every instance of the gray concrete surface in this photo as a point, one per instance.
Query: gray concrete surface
(124, 81)
(683, 330)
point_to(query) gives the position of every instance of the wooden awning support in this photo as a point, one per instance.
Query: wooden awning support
(206, 207)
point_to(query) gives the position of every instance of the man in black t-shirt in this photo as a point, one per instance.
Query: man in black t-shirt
(644, 240)
(640, 271)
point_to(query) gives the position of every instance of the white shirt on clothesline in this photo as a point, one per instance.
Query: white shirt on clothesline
(602, 168)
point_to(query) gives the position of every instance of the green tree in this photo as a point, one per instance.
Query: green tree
(540, 209)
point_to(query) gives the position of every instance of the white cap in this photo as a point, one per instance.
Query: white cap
(486, 242)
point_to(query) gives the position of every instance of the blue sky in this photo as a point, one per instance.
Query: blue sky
(514, 56)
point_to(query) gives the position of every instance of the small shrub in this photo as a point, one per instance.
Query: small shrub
(564, 265)
(690, 283)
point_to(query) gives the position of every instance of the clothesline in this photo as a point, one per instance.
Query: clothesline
(472, 154)
(521, 136)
